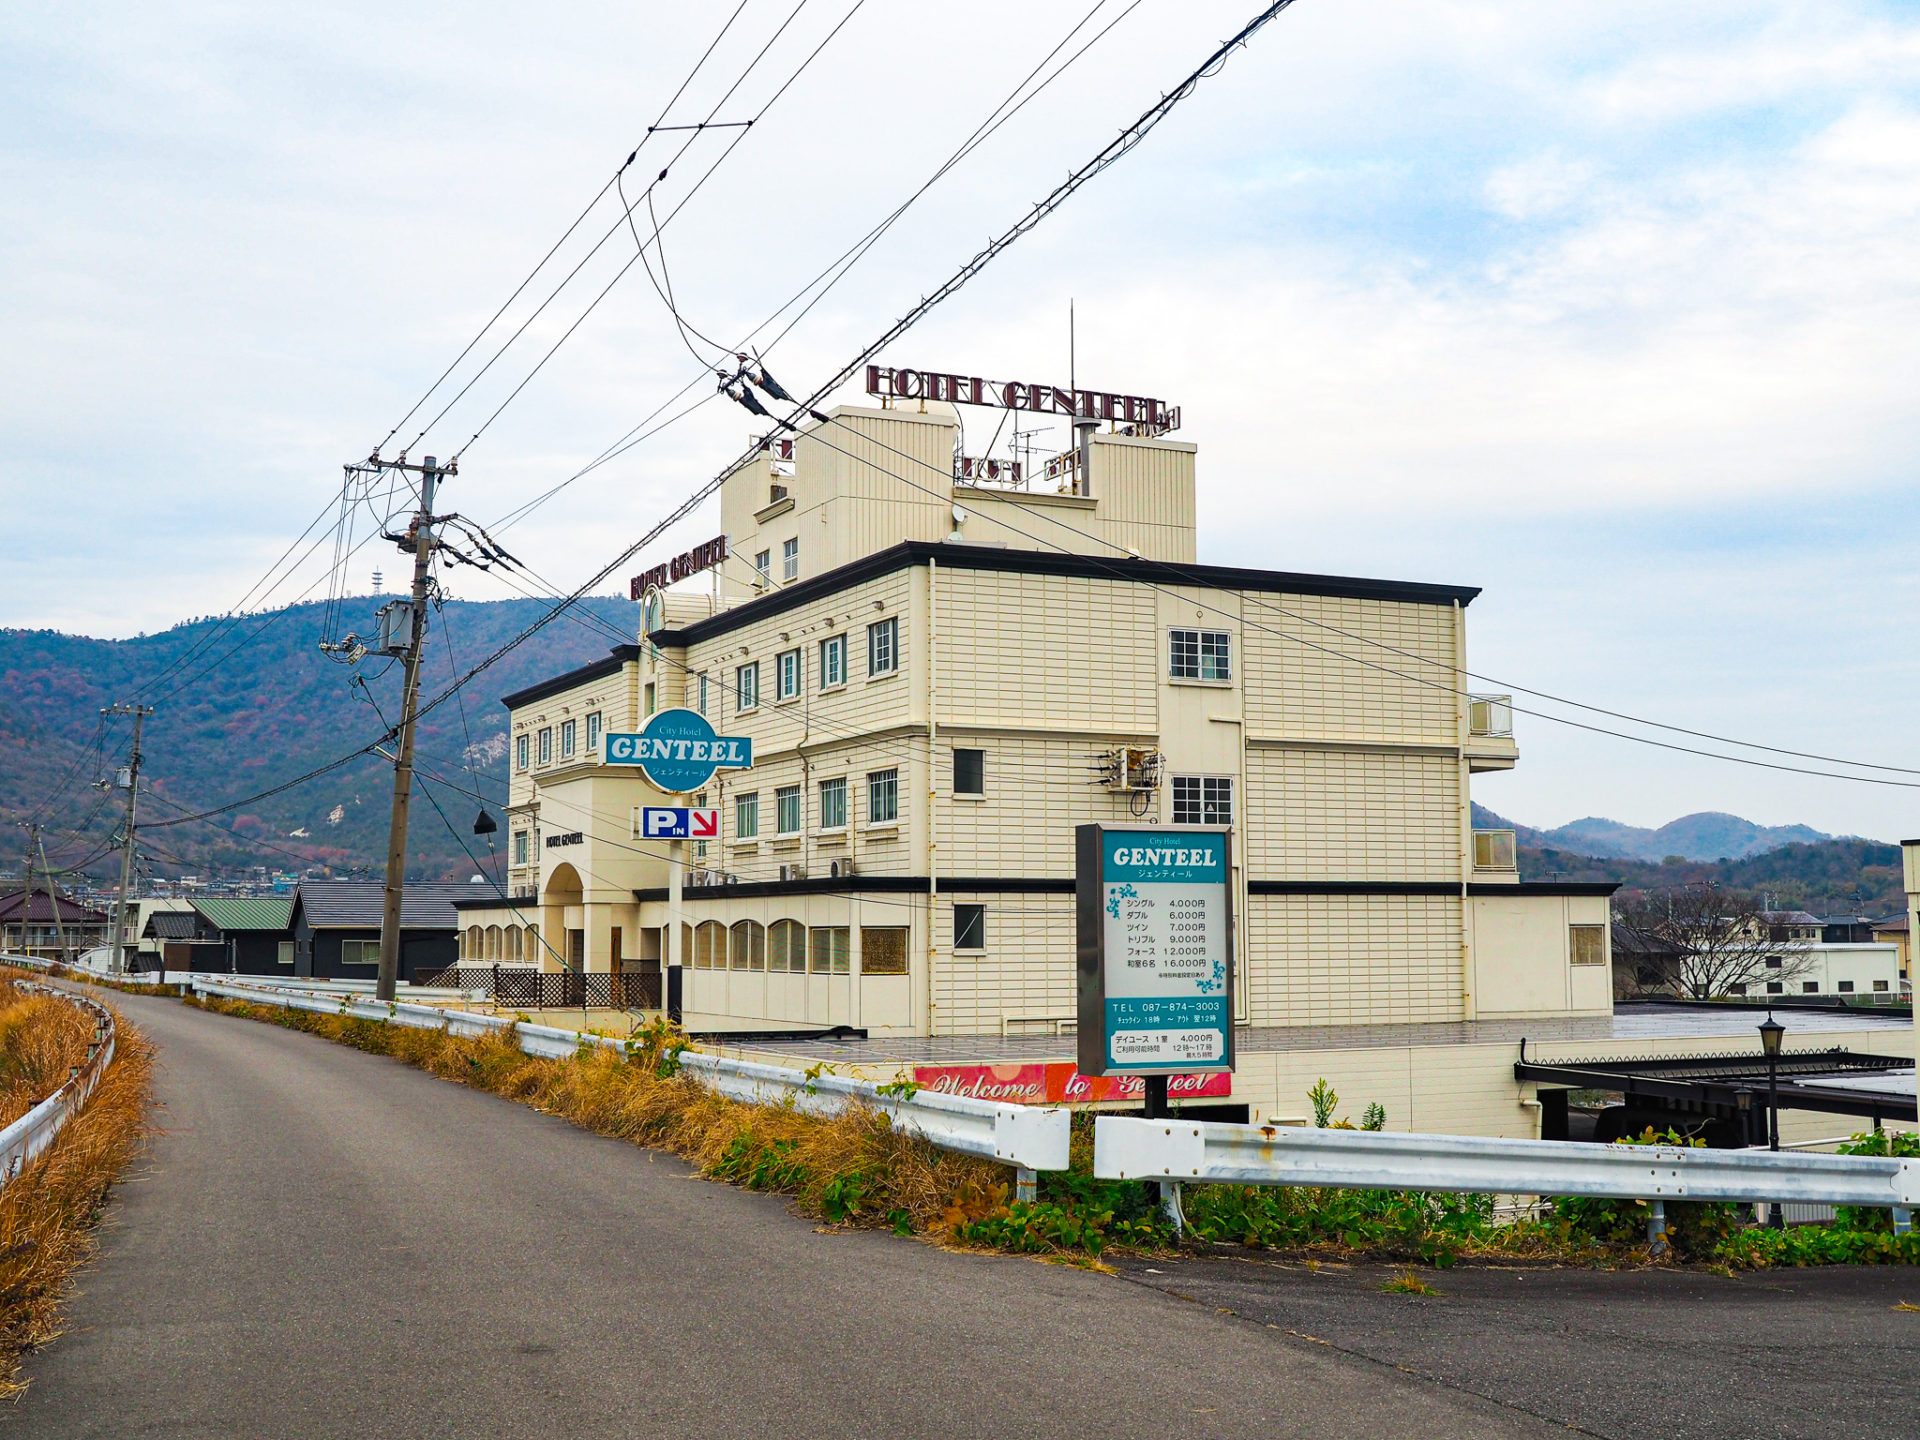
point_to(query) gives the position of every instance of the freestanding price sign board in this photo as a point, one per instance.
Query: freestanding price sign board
(1154, 918)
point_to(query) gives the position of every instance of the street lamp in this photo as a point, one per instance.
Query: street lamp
(1770, 1032)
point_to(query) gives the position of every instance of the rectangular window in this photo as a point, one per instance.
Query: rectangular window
(1880, 986)
(828, 945)
(285, 954)
(833, 804)
(969, 772)
(520, 751)
(1200, 655)
(546, 746)
(568, 730)
(1588, 944)
(1202, 800)
(359, 952)
(763, 566)
(833, 661)
(883, 796)
(700, 803)
(969, 928)
(593, 731)
(786, 671)
(703, 692)
(746, 816)
(746, 686)
(1845, 987)
(648, 702)
(1774, 987)
(883, 646)
(519, 847)
(786, 810)
(790, 560)
(1810, 987)
(883, 952)
(1773, 962)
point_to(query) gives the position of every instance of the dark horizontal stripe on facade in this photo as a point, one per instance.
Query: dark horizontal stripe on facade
(1429, 887)
(617, 660)
(868, 884)
(1043, 562)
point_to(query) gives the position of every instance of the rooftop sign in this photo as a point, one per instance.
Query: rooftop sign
(678, 751)
(701, 557)
(1150, 415)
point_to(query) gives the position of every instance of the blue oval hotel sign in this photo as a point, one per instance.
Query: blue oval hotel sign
(678, 750)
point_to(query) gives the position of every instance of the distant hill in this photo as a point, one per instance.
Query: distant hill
(1822, 874)
(262, 706)
(1708, 835)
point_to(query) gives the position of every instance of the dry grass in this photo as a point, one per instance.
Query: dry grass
(48, 1212)
(853, 1168)
(1408, 1282)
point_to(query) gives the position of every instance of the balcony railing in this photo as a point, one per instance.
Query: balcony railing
(1494, 850)
(1490, 715)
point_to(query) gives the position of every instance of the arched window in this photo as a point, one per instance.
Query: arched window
(533, 946)
(512, 951)
(710, 946)
(749, 949)
(473, 943)
(493, 942)
(786, 946)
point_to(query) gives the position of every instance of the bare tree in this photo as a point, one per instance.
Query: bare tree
(1705, 943)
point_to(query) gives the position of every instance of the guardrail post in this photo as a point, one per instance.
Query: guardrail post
(1657, 1227)
(1025, 1184)
(1902, 1219)
(1170, 1203)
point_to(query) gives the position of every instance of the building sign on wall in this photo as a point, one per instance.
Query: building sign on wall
(1142, 411)
(678, 750)
(701, 557)
(1059, 1083)
(1154, 934)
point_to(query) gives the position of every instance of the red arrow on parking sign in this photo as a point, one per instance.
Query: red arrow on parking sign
(703, 824)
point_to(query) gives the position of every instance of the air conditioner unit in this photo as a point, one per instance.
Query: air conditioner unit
(793, 872)
(840, 869)
(1131, 768)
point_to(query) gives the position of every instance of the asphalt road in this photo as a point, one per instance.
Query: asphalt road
(327, 1243)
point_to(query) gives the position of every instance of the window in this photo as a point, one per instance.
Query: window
(1845, 987)
(969, 929)
(1200, 655)
(469, 943)
(1810, 987)
(746, 816)
(969, 772)
(883, 952)
(833, 661)
(763, 566)
(828, 947)
(700, 846)
(362, 952)
(883, 797)
(786, 947)
(1588, 944)
(647, 699)
(1774, 987)
(748, 947)
(710, 946)
(746, 686)
(703, 692)
(568, 730)
(1203, 800)
(546, 747)
(833, 804)
(1493, 850)
(786, 674)
(790, 560)
(285, 956)
(1773, 962)
(520, 752)
(593, 731)
(519, 847)
(883, 647)
(786, 810)
(1880, 986)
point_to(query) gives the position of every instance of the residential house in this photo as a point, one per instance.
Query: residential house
(335, 929)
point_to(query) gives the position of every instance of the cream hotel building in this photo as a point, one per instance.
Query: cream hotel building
(943, 674)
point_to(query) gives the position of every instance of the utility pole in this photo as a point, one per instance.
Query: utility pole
(53, 897)
(139, 713)
(419, 539)
(26, 884)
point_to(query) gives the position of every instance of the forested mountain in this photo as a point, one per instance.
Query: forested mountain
(240, 709)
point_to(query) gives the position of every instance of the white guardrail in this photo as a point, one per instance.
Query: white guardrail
(1129, 1149)
(23, 1140)
(1028, 1137)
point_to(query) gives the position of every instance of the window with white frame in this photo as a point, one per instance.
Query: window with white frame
(1200, 655)
(520, 751)
(649, 700)
(969, 927)
(833, 661)
(1202, 800)
(1587, 944)
(883, 797)
(519, 847)
(763, 566)
(593, 731)
(969, 772)
(786, 674)
(883, 646)
(546, 746)
(569, 730)
(703, 692)
(700, 803)
(359, 952)
(790, 560)
(746, 816)
(786, 810)
(746, 686)
(833, 803)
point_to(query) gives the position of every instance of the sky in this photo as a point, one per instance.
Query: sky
(1610, 309)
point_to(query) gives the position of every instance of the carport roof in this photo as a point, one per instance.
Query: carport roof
(246, 912)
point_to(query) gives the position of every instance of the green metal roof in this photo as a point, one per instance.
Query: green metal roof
(250, 912)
